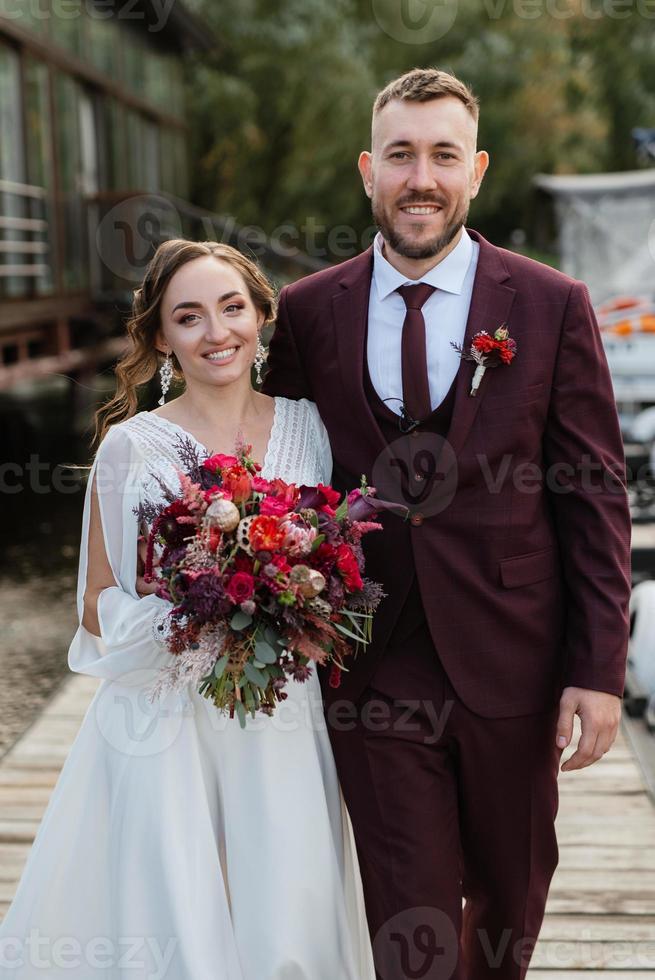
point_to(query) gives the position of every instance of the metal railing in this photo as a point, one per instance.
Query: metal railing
(27, 195)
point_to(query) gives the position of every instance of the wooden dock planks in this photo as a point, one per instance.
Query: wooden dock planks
(600, 915)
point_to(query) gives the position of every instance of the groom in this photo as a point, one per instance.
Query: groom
(507, 587)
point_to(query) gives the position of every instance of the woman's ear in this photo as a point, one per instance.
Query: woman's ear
(161, 344)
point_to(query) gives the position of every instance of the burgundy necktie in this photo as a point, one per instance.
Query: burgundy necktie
(416, 387)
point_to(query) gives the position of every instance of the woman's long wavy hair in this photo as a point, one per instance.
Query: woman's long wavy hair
(139, 364)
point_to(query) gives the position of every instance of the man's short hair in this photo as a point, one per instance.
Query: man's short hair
(425, 84)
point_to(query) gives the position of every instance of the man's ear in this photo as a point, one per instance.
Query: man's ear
(481, 164)
(365, 167)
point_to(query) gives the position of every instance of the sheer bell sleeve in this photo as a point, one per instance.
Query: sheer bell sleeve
(127, 623)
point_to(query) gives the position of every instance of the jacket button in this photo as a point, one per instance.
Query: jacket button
(416, 520)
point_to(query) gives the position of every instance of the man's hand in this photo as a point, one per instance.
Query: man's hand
(143, 588)
(600, 715)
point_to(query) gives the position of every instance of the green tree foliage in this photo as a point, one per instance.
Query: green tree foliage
(281, 110)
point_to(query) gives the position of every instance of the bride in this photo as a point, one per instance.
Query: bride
(175, 844)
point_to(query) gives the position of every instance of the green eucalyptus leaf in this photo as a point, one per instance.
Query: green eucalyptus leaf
(241, 713)
(265, 652)
(240, 621)
(255, 676)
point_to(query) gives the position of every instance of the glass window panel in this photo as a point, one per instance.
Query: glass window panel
(69, 154)
(117, 145)
(176, 87)
(40, 166)
(143, 152)
(30, 15)
(12, 167)
(134, 60)
(180, 140)
(167, 160)
(103, 41)
(67, 25)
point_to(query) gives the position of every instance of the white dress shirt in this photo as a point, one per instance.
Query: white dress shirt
(445, 313)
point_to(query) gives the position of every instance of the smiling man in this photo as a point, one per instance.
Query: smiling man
(423, 170)
(507, 589)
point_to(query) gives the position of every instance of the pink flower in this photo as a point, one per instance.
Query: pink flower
(298, 536)
(259, 485)
(241, 587)
(274, 507)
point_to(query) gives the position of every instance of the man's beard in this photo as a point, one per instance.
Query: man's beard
(425, 250)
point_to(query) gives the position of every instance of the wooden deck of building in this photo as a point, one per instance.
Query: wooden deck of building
(601, 908)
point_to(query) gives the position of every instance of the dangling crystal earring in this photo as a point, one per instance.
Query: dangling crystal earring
(166, 376)
(260, 357)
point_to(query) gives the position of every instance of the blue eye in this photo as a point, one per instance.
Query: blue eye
(186, 317)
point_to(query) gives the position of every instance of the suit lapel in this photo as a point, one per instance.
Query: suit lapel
(491, 303)
(350, 313)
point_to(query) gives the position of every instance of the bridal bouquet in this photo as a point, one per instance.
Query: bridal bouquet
(266, 578)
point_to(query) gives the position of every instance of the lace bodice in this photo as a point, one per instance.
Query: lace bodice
(298, 450)
(135, 458)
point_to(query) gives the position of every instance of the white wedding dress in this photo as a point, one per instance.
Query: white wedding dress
(176, 844)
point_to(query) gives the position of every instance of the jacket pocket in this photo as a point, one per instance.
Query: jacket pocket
(526, 569)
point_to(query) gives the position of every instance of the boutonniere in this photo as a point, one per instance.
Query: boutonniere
(487, 351)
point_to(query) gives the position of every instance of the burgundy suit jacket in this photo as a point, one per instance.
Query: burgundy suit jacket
(524, 565)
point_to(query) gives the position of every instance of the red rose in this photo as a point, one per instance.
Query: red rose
(332, 497)
(349, 569)
(288, 492)
(219, 462)
(240, 587)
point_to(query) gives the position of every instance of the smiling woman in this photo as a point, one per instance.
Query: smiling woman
(203, 306)
(141, 774)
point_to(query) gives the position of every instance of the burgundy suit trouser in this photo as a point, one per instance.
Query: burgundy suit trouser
(447, 806)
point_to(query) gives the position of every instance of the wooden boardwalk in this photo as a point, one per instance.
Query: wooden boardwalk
(601, 908)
